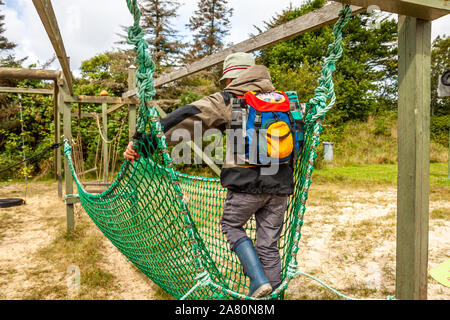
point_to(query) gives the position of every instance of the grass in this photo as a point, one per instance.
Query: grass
(79, 248)
(377, 173)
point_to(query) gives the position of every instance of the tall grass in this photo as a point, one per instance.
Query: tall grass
(371, 142)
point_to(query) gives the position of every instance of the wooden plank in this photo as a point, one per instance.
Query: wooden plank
(48, 18)
(72, 200)
(132, 109)
(26, 91)
(57, 117)
(413, 157)
(85, 115)
(308, 22)
(101, 100)
(32, 74)
(115, 108)
(96, 184)
(67, 119)
(130, 93)
(422, 9)
(86, 172)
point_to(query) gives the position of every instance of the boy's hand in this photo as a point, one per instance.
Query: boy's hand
(130, 154)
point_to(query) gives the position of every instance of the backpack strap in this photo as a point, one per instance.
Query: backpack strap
(237, 112)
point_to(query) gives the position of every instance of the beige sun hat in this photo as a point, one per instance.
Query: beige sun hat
(237, 63)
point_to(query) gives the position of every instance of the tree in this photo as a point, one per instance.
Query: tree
(107, 71)
(163, 39)
(366, 76)
(210, 24)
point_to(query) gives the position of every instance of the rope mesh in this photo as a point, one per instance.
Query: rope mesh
(168, 223)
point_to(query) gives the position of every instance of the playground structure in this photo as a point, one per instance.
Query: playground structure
(414, 77)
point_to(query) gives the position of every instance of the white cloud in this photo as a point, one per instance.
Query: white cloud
(89, 27)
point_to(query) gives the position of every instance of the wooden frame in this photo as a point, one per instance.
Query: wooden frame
(414, 106)
(413, 157)
(48, 18)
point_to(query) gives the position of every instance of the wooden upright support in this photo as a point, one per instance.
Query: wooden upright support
(57, 119)
(413, 157)
(132, 114)
(67, 119)
(105, 144)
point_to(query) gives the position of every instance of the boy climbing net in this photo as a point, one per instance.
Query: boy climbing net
(263, 141)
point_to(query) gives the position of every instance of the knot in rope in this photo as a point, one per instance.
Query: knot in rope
(292, 269)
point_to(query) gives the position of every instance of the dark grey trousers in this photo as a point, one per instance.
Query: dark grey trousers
(269, 212)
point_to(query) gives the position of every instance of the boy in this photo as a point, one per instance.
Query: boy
(250, 191)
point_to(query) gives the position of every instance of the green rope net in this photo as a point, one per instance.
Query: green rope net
(167, 223)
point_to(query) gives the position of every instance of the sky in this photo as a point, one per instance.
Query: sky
(90, 27)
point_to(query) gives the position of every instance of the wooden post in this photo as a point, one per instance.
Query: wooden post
(67, 119)
(105, 145)
(57, 116)
(413, 157)
(132, 107)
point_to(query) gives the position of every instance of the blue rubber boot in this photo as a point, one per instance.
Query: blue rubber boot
(259, 285)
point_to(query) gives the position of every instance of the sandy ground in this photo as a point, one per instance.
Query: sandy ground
(348, 241)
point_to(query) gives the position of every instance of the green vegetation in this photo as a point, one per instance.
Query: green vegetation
(377, 173)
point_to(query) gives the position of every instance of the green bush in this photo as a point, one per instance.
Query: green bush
(440, 126)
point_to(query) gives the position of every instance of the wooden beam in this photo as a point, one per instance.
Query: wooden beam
(67, 120)
(197, 150)
(96, 183)
(130, 93)
(115, 108)
(71, 200)
(32, 74)
(308, 22)
(101, 100)
(86, 172)
(57, 118)
(413, 158)
(422, 9)
(26, 91)
(86, 115)
(48, 18)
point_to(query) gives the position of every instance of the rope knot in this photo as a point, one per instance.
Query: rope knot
(203, 279)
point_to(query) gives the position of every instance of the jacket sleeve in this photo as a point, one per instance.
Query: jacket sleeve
(211, 112)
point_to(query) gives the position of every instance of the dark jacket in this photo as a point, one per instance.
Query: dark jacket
(214, 111)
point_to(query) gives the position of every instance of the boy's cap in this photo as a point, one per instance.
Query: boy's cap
(237, 63)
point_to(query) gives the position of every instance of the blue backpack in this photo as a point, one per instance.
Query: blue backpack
(270, 125)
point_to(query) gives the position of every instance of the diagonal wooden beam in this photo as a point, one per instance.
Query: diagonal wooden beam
(197, 150)
(308, 22)
(48, 18)
(100, 100)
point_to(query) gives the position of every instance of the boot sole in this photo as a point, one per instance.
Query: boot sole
(262, 291)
